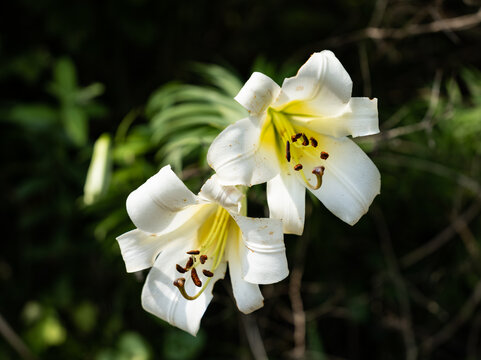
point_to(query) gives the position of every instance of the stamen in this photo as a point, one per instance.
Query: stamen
(298, 167)
(288, 151)
(324, 155)
(212, 247)
(195, 278)
(189, 264)
(295, 137)
(318, 171)
(313, 141)
(207, 273)
(306, 141)
(180, 268)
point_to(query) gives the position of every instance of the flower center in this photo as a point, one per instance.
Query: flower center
(208, 256)
(296, 145)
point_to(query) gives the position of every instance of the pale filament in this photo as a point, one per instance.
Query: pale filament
(212, 244)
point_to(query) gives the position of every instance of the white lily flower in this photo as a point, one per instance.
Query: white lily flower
(296, 138)
(188, 240)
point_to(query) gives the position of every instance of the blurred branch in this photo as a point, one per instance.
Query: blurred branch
(425, 124)
(434, 11)
(443, 237)
(253, 337)
(464, 181)
(458, 23)
(365, 72)
(447, 234)
(326, 307)
(469, 241)
(450, 328)
(14, 340)
(473, 338)
(431, 305)
(298, 313)
(399, 284)
(378, 13)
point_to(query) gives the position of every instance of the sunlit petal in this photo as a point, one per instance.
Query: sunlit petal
(228, 197)
(239, 157)
(322, 87)
(155, 203)
(248, 296)
(139, 249)
(286, 197)
(359, 119)
(350, 182)
(258, 93)
(263, 254)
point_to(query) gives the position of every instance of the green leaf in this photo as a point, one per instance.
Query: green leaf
(75, 122)
(89, 92)
(133, 347)
(219, 77)
(85, 316)
(64, 74)
(31, 115)
(179, 345)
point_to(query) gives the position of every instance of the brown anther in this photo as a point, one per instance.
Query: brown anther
(207, 273)
(195, 278)
(324, 155)
(298, 167)
(305, 141)
(190, 262)
(203, 258)
(179, 282)
(180, 268)
(193, 252)
(288, 151)
(313, 141)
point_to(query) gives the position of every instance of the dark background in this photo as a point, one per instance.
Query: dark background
(405, 282)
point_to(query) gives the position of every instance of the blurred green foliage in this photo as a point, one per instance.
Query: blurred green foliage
(97, 96)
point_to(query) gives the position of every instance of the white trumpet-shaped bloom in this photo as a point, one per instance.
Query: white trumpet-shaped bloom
(296, 138)
(189, 239)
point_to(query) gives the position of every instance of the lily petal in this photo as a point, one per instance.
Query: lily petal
(239, 158)
(153, 206)
(263, 254)
(139, 249)
(228, 197)
(161, 298)
(258, 93)
(286, 197)
(350, 182)
(248, 296)
(359, 119)
(322, 87)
